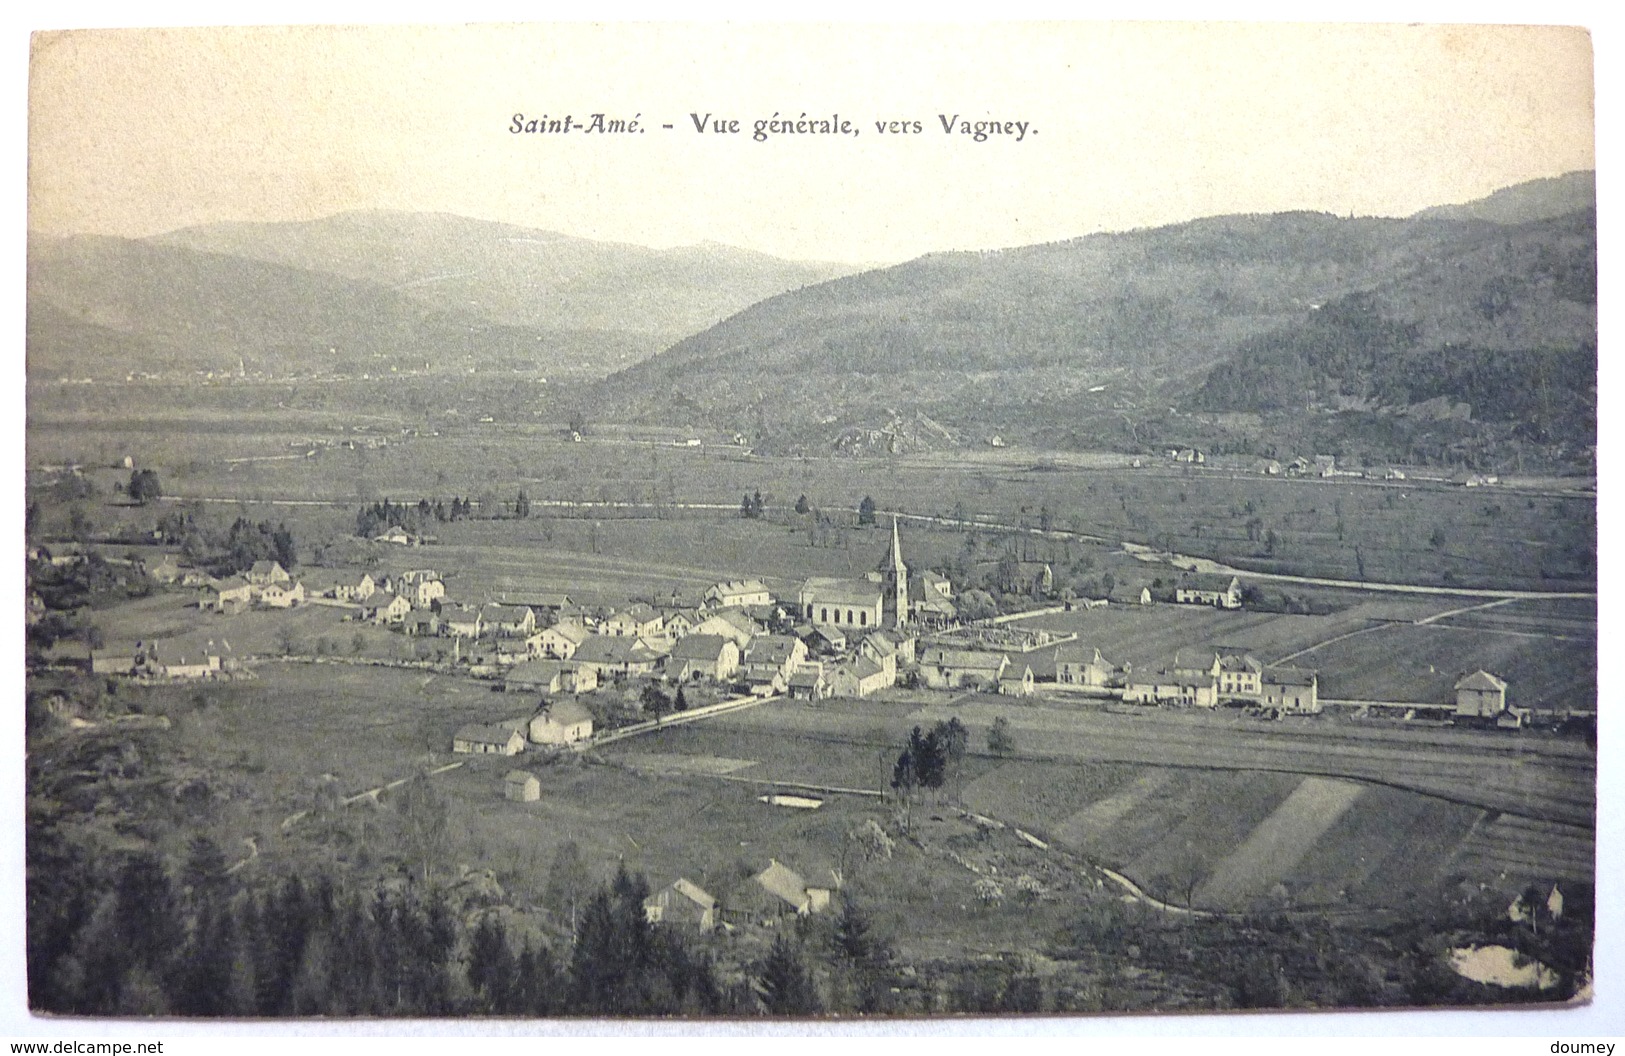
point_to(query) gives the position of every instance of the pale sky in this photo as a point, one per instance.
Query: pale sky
(140, 131)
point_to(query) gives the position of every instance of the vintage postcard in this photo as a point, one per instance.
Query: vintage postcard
(733, 521)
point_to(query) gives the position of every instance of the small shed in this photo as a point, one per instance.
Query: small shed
(521, 786)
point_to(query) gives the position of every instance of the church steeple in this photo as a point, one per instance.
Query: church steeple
(896, 577)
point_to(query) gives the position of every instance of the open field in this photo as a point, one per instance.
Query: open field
(267, 748)
(1401, 531)
(1422, 663)
(1242, 837)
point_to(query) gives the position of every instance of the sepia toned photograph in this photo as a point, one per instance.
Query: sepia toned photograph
(728, 522)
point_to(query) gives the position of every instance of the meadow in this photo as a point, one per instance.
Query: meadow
(1535, 537)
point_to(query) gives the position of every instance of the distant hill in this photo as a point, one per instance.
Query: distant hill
(519, 276)
(1526, 202)
(100, 305)
(1192, 333)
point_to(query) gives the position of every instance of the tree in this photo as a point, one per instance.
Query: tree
(144, 487)
(784, 982)
(655, 700)
(1000, 741)
(567, 881)
(866, 511)
(358, 644)
(680, 702)
(802, 506)
(521, 505)
(427, 835)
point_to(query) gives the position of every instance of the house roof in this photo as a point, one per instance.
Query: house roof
(1239, 662)
(1077, 653)
(738, 620)
(230, 583)
(706, 647)
(262, 568)
(486, 733)
(806, 676)
(612, 649)
(1482, 680)
(782, 882)
(842, 591)
(1219, 581)
(566, 712)
(518, 777)
(640, 612)
(739, 586)
(862, 667)
(772, 649)
(880, 644)
(687, 889)
(492, 612)
(1289, 676)
(571, 631)
(535, 672)
(967, 659)
(551, 601)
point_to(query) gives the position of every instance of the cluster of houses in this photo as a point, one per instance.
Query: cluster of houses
(555, 724)
(1219, 677)
(776, 893)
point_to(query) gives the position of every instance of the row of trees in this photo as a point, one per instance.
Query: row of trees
(415, 518)
(140, 942)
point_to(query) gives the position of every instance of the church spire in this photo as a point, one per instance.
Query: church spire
(896, 576)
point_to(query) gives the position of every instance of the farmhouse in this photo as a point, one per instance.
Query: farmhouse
(1172, 685)
(858, 676)
(841, 603)
(674, 623)
(1016, 681)
(932, 595)
(502, 738)
(1218, 589)
(422, 623)
(775, 892)
(507, 621)
(232, 594)
(707, 656)
(384, 607)
(807, 683)
(1291, 689)
(422, 586)
(682, 903)
(772, 656)
(821, 641)
(1125, 594)
(946, 668)
(459, 620)
(561, 722)
(166, 571)
(731, 624)
(1078, 666)
(1480, 695)
(735, 592)
(638, 621)
(521, 786)
(551, 676)
(266, 572)
(561, 640)
(282, 595)
(610, 656)
(1239, 675)
(882, 650)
